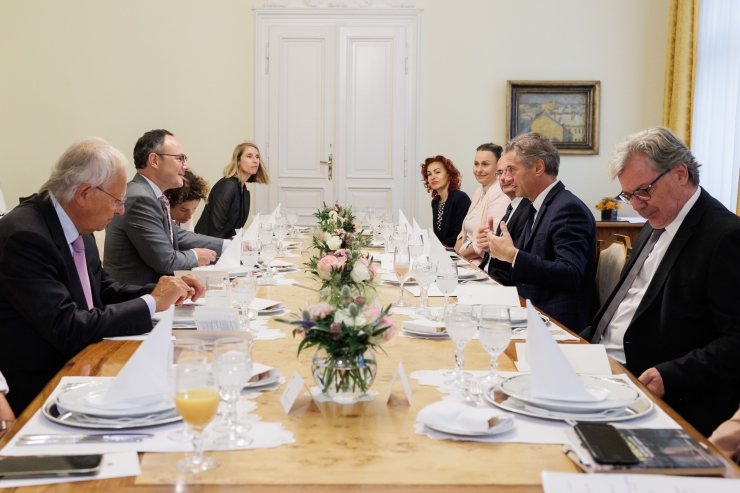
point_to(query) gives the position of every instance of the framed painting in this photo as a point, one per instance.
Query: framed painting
(567, 112)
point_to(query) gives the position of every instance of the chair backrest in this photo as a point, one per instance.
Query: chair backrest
(611, 259)
(100, 241)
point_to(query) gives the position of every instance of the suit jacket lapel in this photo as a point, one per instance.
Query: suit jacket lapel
(57, 234)
(683, 234)
(138, 178)
(541, 213)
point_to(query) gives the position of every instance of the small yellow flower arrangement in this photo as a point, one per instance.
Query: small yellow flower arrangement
(609, 204)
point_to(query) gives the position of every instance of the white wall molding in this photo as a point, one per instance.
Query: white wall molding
(338, 4)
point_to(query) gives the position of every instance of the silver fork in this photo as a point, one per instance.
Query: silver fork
(475, 397)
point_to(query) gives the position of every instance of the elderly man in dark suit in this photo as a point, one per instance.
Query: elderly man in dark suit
(55, 297)
(673, 318)
(553, 263)
(514, 219)
(144, 243)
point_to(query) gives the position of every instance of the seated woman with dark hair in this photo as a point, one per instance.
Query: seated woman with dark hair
(184, 200)
(449, 203)
(228, 204)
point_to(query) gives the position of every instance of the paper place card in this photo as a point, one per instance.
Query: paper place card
(263, 304)
(222, 319)
(404, 381)
(487, 294)
(587, 359)
(290, 394)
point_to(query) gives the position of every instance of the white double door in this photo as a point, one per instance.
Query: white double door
(337, 125)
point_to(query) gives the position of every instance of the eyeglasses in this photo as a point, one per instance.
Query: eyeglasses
(641, 193)
(119, 202)
(180, 157)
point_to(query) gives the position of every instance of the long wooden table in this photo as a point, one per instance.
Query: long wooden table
(368, 446)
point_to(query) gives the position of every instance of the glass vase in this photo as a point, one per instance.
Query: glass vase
(344, 377)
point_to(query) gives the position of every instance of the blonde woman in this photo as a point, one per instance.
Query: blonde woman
(228, 203)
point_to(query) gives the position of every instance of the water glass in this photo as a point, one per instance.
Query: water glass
(265, 232)
(416, 247)
(232, 368)
(425, 274)
(401, 266)
(250, 253)
(374, 221)
(461, 328)
(446, 281)
(281, 231)
(292, 218)
(269, 252)
(495, 336)
(196, 400)
(244, 290)
(386, 230)
(218, 294)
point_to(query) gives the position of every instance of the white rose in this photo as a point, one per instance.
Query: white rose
(359, 272)
(344, 316)
(334, 243)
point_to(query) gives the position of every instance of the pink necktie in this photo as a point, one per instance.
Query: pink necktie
(166, 208)
(79, 257)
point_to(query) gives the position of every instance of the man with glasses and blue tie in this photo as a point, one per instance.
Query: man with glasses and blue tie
(674, 317)
(144, 243)
(55, 297)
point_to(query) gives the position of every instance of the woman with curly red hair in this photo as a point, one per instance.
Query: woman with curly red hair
(449, 203)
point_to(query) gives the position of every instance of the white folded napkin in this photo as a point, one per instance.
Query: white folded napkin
(402, 221)
(253, 231)
(231, 258)
(424, 325)
(424, 236)
(271, 219)
(437, 252)
(552, 376)
(453, 415)
(143, 379)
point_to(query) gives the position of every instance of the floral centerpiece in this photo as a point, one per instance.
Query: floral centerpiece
(345, 333)
(609, 207)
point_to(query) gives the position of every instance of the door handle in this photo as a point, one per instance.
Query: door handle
(331, 168)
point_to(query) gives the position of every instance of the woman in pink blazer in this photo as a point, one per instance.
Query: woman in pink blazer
(489, 202)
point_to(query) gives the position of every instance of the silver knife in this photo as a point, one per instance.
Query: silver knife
(65, 439)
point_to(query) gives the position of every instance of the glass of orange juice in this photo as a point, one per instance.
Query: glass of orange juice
(196, 400)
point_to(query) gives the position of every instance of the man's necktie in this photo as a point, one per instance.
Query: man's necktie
(166, 208)
(505, 218)
(78, 246)
(531, 212)
(625, 287)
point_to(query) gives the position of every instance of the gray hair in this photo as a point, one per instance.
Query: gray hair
(92, 161)
(661, 147)
(532, 146)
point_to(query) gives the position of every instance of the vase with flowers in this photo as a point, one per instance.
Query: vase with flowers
(345, 334)
(609, 207)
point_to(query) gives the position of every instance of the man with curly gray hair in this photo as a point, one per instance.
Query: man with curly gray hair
(673, 318)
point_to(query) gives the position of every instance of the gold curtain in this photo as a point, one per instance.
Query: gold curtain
(680, 67)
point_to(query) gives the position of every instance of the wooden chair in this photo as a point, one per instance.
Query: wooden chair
(611, 256)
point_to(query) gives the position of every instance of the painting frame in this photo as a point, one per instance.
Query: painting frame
(580, 135)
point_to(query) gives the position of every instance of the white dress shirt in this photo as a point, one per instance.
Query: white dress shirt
(537, 205)
(71, 234)
(613, 337)
(158, 193)
(3, 385)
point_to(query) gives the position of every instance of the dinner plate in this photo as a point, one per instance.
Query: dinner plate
(494, 430)
(617, 396)
(76, 400)
(55, 414)
(637, 409)
(465, 274)
(428, 335)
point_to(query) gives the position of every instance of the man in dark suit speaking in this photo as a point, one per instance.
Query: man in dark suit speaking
(144, 243)
(673, 318)
(553, 262)
(55, 297)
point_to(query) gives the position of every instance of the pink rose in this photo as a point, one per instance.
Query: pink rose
(336, 327)
(328, 265)
(392, 328)
(321, 310)
(371, 313)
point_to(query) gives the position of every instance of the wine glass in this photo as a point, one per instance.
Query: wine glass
(281, 230)
(244, 290)
(416, 247)
(250, 253)
(401, 265)
(232, 367)
(495, 336)
(265, 232)
(292, 218)
(461, 329)
(196, 400)
(217, 292)
(386, 230)
(181, 348)
(446, 280)
(425, 274)
(268, 251)
(374, 220)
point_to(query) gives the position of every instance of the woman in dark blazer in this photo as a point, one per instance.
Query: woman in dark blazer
(449, 204)
(228, 204)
